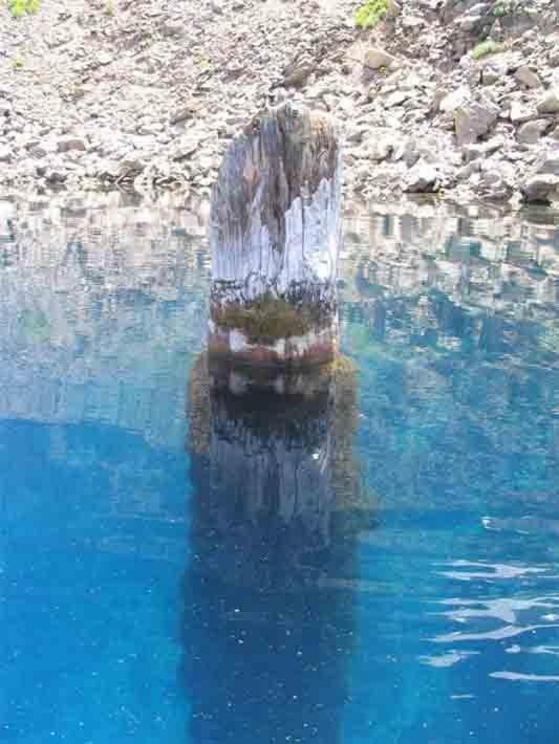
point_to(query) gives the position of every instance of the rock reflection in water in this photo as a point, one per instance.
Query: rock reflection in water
(276, 513)
(437, 279)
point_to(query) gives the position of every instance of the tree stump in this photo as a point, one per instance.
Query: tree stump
(275, 235)
(277, 504)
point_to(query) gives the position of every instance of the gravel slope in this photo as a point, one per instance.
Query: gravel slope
(147, 93)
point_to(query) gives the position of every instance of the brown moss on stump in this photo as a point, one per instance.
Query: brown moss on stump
(269, 319)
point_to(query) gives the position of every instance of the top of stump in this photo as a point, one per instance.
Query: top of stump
(283, 154)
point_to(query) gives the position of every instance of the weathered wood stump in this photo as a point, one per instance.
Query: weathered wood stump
(277, 504)
(275, 237)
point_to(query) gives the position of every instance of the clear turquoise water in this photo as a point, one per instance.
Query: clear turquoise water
(139, 604)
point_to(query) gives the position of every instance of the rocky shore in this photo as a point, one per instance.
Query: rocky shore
(452, 97)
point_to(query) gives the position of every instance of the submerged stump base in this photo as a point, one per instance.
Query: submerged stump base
(234, 345)
(259, 439)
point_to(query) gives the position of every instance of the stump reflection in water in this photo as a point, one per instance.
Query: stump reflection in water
(268, 603)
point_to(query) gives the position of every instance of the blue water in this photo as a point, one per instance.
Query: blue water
(149, 592)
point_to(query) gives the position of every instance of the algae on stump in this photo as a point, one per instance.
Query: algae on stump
(275, 238)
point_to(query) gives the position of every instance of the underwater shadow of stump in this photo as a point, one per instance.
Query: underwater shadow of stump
(268, 598)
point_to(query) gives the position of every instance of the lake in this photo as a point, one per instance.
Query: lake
(394, 576)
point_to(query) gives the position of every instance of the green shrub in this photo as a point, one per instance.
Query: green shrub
(510, 7)
(484, 48)
(500, 9)
(371, 13)
(19, 8)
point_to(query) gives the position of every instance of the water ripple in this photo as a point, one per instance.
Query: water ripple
(522, 609)
(490, 571)
(517, 676)
(507, 631)
(446, 660)
(501, 608)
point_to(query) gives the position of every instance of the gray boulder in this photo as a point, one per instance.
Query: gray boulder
(527, 77)
(376, 58)
(423, 178)
(494, 185)
(521, 112)
(531, 131)
(548, 162)
(474, 119)
(549, 103)
(542, 188)
(66, 144)
(451, 101)
(482, 149)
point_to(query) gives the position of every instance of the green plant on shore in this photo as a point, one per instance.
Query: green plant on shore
(485, 48)
(203, 63)
(508, 7)
(500, 9)
(18, 63)
(370, 13)
(19, 8)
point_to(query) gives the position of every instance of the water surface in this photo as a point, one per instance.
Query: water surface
(155, 589)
